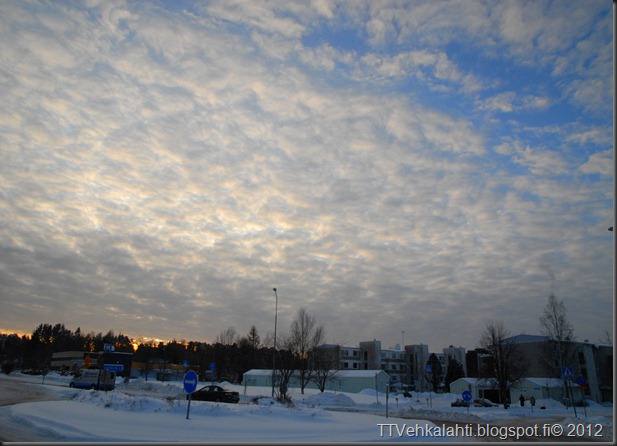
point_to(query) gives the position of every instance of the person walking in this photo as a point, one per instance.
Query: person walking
(522, 400)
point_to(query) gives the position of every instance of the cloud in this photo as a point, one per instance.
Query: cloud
(600, 163)
(173, 165)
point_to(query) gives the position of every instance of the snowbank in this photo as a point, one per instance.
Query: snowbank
(141, 410)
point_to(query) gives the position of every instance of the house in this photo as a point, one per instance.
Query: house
(545, 388)
(352, 381)
(480, 388)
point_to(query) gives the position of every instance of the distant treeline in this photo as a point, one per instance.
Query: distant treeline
(232, 355)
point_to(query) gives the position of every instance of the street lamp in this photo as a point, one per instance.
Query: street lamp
(274, 353)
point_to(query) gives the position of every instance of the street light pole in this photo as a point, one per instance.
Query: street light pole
(274, 353)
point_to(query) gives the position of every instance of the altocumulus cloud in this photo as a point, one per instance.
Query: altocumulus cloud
(391, 166)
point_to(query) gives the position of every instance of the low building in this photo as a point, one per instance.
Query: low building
(352, 381)
(480, 388)
(71, 361)
(546, 388)
(68, 361)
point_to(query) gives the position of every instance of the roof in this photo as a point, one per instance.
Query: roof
(545, 382)
(477, 381)
(525, 338)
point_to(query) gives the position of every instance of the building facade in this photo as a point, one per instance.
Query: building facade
(588, 366)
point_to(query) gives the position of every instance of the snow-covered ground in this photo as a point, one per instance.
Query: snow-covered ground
(155, 411)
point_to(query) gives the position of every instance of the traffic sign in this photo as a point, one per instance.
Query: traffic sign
(113, 367)
(190, 381)
(581, 381)
(109, 347)
(185, 363)
(567, 372)
(213, 366)
(467, 395)
(428, 368)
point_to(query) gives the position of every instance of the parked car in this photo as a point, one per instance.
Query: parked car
(459, 403)
(215, 393)
(483, 402)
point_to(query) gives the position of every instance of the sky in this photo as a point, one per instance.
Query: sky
(407, 171)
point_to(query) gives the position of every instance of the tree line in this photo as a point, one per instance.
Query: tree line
(297, 353)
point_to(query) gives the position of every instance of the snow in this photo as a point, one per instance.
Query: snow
(148, 411)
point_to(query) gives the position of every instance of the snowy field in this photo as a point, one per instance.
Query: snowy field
(152, 411)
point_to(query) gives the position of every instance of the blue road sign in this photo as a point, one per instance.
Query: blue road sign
(113, 367)
(466, 395)
(428, 368)
(213, 366)
(581, 381)
(185, 363)
(190, 381)
(567, 372)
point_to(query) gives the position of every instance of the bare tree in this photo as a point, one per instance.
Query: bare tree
(606, 338)
(326, 365)
(227, 336)
(305, 337)
(560, 350)
(286, 365)
(508, 364)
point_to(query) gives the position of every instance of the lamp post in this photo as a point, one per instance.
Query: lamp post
(274, 353)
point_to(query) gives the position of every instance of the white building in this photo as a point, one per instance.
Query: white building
(545, 388)
(352, 381)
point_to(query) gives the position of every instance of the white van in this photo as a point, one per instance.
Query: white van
(94, 379)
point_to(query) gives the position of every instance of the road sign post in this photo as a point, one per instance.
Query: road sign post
(428, 369)
(189, 384)
(212, 371)
(467, 398)
(567, 374)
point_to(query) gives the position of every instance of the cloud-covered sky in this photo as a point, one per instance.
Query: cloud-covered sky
(392, 166)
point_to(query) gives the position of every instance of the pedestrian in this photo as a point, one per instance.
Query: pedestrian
(532, 400)
(522, 400)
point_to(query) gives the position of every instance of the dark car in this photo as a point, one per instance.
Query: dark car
(482, 402)
(215, 393)
(459, 403)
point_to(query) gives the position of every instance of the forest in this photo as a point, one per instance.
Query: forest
(233, 354)
(295, 353)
